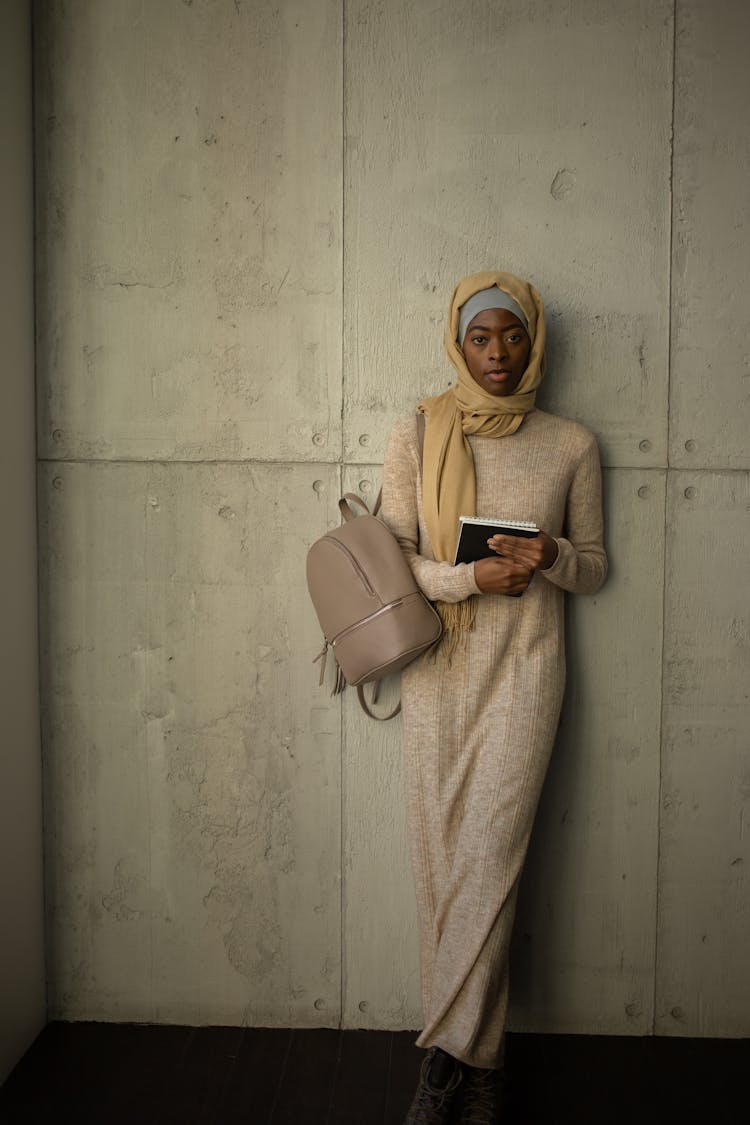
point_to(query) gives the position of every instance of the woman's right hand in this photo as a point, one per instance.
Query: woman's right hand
(501, 575)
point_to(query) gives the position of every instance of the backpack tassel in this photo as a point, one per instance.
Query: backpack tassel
(339, 679)
(340, 682)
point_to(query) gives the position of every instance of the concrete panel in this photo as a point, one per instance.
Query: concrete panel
(583, 953)
(533, 137)
(379, 923)
(189, 229)
(191, 762)
(703, 968)
(710, 380)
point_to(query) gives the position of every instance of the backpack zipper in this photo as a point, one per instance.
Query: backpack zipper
(370, 617)
(355, 564)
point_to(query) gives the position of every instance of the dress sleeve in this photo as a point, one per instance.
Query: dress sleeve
(439, 581)
(581, 563)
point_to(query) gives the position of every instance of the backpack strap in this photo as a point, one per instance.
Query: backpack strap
(349, 498)
(421, 424)
(366, 709)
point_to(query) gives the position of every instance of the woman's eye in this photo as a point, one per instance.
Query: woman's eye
(477, 339)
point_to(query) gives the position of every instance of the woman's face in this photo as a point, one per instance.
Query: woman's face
(496, 348)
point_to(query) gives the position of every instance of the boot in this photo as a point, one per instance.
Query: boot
(439, 1079)
(481, 1103)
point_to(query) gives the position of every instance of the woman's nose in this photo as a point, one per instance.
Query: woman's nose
(498, 350)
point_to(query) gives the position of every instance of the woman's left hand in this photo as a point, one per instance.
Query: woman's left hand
(538, 553)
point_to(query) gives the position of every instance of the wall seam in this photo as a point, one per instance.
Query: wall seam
(670, 353)
(342, 726)
(252, 461)
(260, 461)
(35, 18)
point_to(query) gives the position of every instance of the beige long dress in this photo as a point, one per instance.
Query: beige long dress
(478, 734)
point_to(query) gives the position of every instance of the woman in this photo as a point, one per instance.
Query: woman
(480, 715)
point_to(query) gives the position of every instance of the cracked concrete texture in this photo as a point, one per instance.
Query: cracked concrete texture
(193, 809)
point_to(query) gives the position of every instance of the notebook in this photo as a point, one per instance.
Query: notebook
(473, 533)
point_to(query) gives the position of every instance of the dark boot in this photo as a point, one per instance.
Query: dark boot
(481, 1103)
(439, 1080)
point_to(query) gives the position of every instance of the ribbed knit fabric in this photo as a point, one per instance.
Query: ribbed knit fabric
(478, 732)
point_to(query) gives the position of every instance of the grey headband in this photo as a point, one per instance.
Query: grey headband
(492, 298)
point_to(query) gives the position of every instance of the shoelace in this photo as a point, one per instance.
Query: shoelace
(431, 1100)
(480, 1098)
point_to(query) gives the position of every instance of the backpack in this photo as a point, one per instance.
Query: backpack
(374, 617)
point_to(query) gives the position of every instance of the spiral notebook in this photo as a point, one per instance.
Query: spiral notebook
(473, 533)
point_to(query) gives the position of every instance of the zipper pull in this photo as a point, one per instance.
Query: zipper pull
(322, 655)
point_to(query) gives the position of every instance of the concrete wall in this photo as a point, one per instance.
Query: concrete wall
(22, 984)
(252, 217)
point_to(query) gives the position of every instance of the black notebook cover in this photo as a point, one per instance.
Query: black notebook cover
(473, 535)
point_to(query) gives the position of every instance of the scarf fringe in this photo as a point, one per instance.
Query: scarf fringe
(458, 620)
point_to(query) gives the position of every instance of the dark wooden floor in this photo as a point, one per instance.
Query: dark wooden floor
(115, 1073)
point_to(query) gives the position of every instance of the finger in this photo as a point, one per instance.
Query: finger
(518, 550)
(503, 544)
(528, 556)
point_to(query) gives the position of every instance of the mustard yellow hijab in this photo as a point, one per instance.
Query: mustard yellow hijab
(448, 480)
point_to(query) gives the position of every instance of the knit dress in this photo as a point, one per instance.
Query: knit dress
(478, 733)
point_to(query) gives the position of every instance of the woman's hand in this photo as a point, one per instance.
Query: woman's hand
(502, 576)
(538, 553)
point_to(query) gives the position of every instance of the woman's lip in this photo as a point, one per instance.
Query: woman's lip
(498, 373)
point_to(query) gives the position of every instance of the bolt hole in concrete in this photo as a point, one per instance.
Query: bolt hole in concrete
(645, 445)
(690, 445)
(364, 439)
(691, 493)
(58, 483)
(318, 439)
(364, 486)
(318, 486)
(643, 491)
(319, 1004)
(363, 1005)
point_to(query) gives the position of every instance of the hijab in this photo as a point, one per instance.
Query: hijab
(448, 479)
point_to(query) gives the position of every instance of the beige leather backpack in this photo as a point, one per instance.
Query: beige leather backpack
(373, 616)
